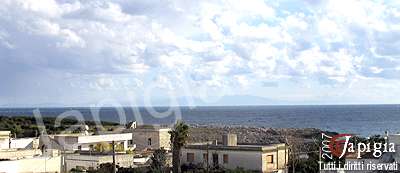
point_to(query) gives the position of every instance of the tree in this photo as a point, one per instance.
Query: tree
(102, 147)
(296, 146)
(159, 161)
(179, 135)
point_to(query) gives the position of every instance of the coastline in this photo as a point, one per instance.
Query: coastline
(254, 135)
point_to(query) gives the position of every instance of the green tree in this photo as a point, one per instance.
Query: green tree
(179, 136)
(159, 161)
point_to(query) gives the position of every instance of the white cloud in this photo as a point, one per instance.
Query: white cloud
(206, 43)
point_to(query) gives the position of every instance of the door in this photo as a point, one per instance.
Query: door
(215, 159)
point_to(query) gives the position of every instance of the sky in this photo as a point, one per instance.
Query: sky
(208, 52)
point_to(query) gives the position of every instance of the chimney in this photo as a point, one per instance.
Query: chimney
(229, 139)
(214, 142)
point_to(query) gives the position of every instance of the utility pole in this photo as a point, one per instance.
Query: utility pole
(9, 141)
(113, 157)
(207, 158)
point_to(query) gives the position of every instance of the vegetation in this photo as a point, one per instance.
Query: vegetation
(159, 161)
(24, 126)
(103, 168)
(179, 136)
(298, 149)
(198, 168)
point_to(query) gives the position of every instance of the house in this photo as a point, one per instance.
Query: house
(73, 142)
(151, 137)
(7, 142)
(230, 155)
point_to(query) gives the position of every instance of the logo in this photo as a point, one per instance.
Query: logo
(340, 145)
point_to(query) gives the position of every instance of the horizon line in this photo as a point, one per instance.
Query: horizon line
(241, 105)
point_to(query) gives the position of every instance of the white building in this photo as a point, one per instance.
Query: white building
(6, 142)
(73, 142)
(263, 158)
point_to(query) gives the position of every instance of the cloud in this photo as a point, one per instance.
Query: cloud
(217, 44)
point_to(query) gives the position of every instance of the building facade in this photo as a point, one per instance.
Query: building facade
(260, 158)
(149, 137)
(74, 142)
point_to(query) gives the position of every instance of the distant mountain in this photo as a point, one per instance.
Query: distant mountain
(232, 100)
(245, 100)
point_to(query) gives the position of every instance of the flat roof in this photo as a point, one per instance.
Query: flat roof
(98, 138)
(151, 128)
(248, 147)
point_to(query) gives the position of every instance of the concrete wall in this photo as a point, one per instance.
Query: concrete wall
(141, 138)
(4, 139)
(4, 143)
(32, 165)
(94, 161)
(15, 154)
(279, 161)
(105, 138)
(250, 160)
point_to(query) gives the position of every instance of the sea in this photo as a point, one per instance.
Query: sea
(364, 120)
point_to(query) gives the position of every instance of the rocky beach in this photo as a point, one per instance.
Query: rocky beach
(254, 135)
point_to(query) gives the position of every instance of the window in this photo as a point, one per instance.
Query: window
(225, 158)
(190, 157)
(149, 141)
(205, 157)
(270, 159)
(130, 142)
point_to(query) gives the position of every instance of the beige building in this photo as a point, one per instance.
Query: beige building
(5, 139)
(262, 158)
(151, 137)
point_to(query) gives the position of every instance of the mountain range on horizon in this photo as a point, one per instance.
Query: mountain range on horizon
(229, 100)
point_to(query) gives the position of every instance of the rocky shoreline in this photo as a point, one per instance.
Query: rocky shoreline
(254, 135)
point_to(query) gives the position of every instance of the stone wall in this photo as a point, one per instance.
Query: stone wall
(141, 139)
(15, 154)
(94, 161)
(159, 138)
